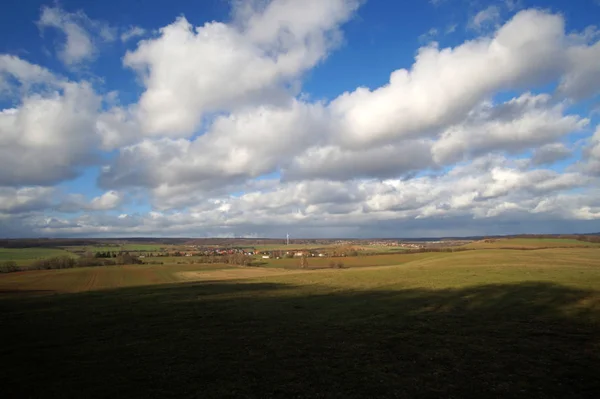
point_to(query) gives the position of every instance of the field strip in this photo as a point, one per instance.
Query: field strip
(242, 273)
(235, 274)
(91, 282)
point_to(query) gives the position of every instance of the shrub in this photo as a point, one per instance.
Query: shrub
(58, 262)
(237, 259)
(90, 262)
(9, 266)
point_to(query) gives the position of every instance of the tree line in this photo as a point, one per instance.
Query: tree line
(67, 262)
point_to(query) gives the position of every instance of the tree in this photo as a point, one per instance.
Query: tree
(303, 261)
(9, 266)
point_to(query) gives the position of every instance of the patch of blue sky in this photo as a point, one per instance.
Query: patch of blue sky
(84, 183)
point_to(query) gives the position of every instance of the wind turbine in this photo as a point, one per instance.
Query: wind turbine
(287, 239)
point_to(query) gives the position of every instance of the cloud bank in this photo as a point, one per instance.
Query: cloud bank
(223, 140)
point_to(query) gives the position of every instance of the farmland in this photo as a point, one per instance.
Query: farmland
(479, 323)
(117, 248)
(24, 256)
(529, 243)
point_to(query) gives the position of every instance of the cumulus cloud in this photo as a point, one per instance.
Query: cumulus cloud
(433, 115)
(443, 85)
(26, 74)
(47, 138)
(490, 190)
(517, 125)
(222, 140)
(591, 161)
(583, 77)
(81, 34)
(26, 199)
(550, 153)
(239, 146)
(335, 163)
(190, 72)
(110, 200)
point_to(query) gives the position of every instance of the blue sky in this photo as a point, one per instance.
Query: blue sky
(331, 117)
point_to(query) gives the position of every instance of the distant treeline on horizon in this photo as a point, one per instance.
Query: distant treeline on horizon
(64, 242)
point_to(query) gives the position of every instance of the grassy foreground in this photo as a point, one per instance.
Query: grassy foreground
(475, 324)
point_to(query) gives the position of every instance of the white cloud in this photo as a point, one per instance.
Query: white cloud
(12, 67)
(26, 199)
(48, 137)
(110, 200)
(443, 85)
(583, 77)
(488, 17)
(237, 147)
(451, 28)
(429, 35)
(192, 72)
(335, 163)
(431, 116)
(591, 159)
(223, 141)
(133, 31)
(80, 32)
(493, 191)
(519, 124)
(550, 153)
(117, 127)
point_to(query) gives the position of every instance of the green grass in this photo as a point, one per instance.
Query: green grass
(172, 259)
(117, 248)
(476, 324)
(530, 243)
(26, 256)
(97, 278)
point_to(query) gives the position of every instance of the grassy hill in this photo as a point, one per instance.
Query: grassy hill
(484, 323)
(529, 243)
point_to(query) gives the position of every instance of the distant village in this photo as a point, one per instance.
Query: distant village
(333, 249)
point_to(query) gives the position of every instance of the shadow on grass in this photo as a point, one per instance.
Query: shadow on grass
(224, 339)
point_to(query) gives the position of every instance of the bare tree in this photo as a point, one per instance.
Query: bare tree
(303, 261)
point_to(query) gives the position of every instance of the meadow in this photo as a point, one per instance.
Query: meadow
(25, 256)
(530, 243)
(481, 323)
(117, 248)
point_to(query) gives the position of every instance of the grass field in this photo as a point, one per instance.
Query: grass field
(530, 243)
(117, 248)
(485, 323)
(25, 256)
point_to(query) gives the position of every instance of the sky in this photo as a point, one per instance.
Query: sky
(317, 118)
